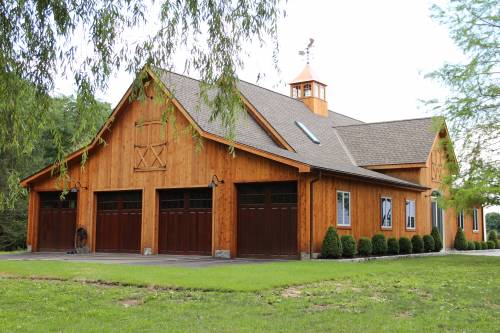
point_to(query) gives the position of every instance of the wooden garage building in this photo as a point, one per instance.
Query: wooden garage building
(298, 168)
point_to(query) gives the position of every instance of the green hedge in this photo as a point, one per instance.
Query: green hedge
(438, 244)
(392, 246)
(365, 247)
(428, 243)
(348, 246)
(471, 246)
(405, 246)
(460, 241)
(484, 246)
(332, 247)
(498, 243)
(417, 243)
(491, 244)
(379, 244)
(493, 236)
(478, 245)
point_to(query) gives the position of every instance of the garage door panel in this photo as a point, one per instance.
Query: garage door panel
(119, 221)
(57, 222)
(267, 220)
(185, 221)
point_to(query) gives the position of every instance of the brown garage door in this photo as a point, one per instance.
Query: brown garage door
(118, 223)
(57, 222)
(267, 220)
(185, 221)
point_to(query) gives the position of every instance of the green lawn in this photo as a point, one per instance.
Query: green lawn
(439, 294)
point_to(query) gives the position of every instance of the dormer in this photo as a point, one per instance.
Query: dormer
(310, 90)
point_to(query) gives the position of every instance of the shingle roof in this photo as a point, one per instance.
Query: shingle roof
(281, 112)
(392, 142)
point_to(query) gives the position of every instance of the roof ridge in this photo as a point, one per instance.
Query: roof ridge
(342, 144)
(384, 122)
(344, 115)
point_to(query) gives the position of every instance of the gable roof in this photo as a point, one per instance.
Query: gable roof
(281, 112)
(393, 142)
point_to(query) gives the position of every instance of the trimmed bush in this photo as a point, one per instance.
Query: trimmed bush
(471, 246)
(491, 244)
(379, 244)
(493, 236)
(392, 246)
(498, 244)
(332, 247)
(460, 241)
(365, 246)
(428, 243)
(438, 244)
(484, 246)
(348, 246)
(417, 244)
(478, 245)
(405, 246)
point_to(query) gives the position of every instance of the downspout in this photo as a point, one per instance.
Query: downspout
(311, 214)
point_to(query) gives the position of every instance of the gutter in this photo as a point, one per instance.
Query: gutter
(311, 213)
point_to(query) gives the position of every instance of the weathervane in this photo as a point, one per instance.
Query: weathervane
(306, 51)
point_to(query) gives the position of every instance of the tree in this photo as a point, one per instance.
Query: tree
(493, 221)
(472, 110)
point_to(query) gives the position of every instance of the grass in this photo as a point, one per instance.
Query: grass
(438, 294)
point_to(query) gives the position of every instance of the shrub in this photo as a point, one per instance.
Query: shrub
(478, 245)
(332, 247)
(484, 246)
(438, 244)
(471, 246)
(379, 244)
(365, 246)
(493, 236)
(428, 243)
(491, 244)
(348, 246)
(498, 244)
(392, 246)
(417, 244)
(405, 246)
(460, 241)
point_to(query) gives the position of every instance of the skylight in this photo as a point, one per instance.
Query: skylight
(308, 132)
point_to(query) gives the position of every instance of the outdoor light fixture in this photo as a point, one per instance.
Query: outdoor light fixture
(215, 181)
(77, 186)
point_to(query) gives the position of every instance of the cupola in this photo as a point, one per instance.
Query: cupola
(308, 88)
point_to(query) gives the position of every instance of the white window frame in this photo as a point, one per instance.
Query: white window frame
(382, 213)
(308, 92)
(343, 224)
(409, 216)
(460, 219)
(475, 220)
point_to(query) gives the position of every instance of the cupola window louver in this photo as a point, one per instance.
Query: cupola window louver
(307, 132)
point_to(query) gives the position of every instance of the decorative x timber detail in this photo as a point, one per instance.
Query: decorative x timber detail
(151, 156)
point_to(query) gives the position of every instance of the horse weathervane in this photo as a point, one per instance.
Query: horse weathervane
(307, 49)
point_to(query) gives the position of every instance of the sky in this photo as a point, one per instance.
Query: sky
(373, 56)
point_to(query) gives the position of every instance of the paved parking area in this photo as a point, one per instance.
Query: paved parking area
(134, 259)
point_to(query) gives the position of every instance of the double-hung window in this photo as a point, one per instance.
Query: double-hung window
(343, 208)
(386, 209)
(460, 219)
(475, 222)
(410, 214)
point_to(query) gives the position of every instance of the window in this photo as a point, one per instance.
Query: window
(296, 91)
(316, 90)
(308, 132)
(410, 214)
(322, 92)
(460, 220)
(343, 208)
(386, 208)
(475, 223)
(307, 90)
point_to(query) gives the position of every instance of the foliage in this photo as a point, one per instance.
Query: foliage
(460, 241)
(348, 246)
(392, 246)
(428, 243)
(438, 244)
(491, 244)
(417, 244)
(484, 245)
(493, 221)
(497, 244)
(365, 247)
(471, 246)
(473, 108)
(405, 246)
(379, 244)
(332, 247)
(478, 245)
(493, 235)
